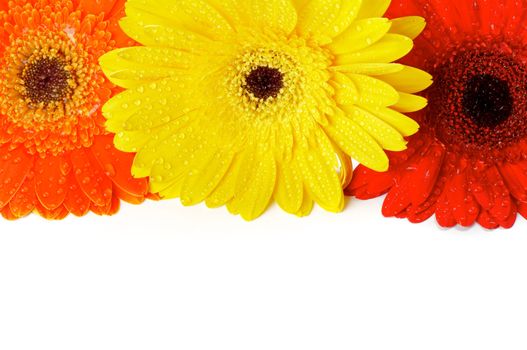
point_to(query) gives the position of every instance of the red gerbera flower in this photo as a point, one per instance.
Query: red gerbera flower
(55, 156)
(469, 162)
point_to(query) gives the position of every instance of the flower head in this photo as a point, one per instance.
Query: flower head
(237, 102)
(469, 162)
(55, 155)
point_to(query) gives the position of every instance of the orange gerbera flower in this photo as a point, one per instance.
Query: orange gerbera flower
(55, 155)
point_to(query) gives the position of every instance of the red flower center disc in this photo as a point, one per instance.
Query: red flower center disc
(478, 103)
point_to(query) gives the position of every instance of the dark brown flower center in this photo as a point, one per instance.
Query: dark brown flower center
(46, 80)
(487, 100)
(264, 82)
(478, 103)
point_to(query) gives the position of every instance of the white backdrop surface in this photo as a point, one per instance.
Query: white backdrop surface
(161, 276)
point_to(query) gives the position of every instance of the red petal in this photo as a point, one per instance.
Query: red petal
(487, 221)
(490, 191)
(415, 180)
(398, 199)
(402, 8)
(443, 16)
(509, 222)
(424, 211)
(514, 19)
(367, 184)
(422, 215)
(424, 173)
(466, 14)
(465, 209)
(444, 214)
(515, 176)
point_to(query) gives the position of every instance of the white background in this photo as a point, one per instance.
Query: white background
(160, 276)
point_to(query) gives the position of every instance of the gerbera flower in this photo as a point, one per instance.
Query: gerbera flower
(241, 101)
(55, 156)
(469, 162)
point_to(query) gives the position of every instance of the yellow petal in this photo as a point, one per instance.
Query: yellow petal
(246, 174)
(206, 174)
(148, 106)
(134, 66)
(289, 188)
(356, 142)
(151, 30)
(191, 15)
(410, 103)
(409, 80)
(307, 205)
(389, 49)
(256, 198)
(346, 92)
(374, 69)
(373, 91)
(360, 35)
(346, 168)
(168, 149)
(131, 141)
(388, 137)
(405, 125)
(160, 116)
(373, 8)
(229, 9)
(408, 26)
(277, 15)
(169, 189)
(321, 178)
(226, 189)
(326, 17)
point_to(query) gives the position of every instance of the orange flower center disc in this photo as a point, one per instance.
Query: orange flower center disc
(51, 88)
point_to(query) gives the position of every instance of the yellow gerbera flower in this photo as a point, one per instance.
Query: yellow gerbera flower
(237, 102)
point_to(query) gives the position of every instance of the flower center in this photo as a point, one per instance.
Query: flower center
(478, 103)
(49, 92)
(264, 82)
(487, 100)
(273, 82)
(46, 80)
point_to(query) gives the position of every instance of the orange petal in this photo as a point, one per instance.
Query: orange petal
(117, 166)
(111, 208)
(14, 167)
(7, 214)
(96, 6)
(76, 201)
(91, 178)
(23, 203)
(55, 214)
(50, 183)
